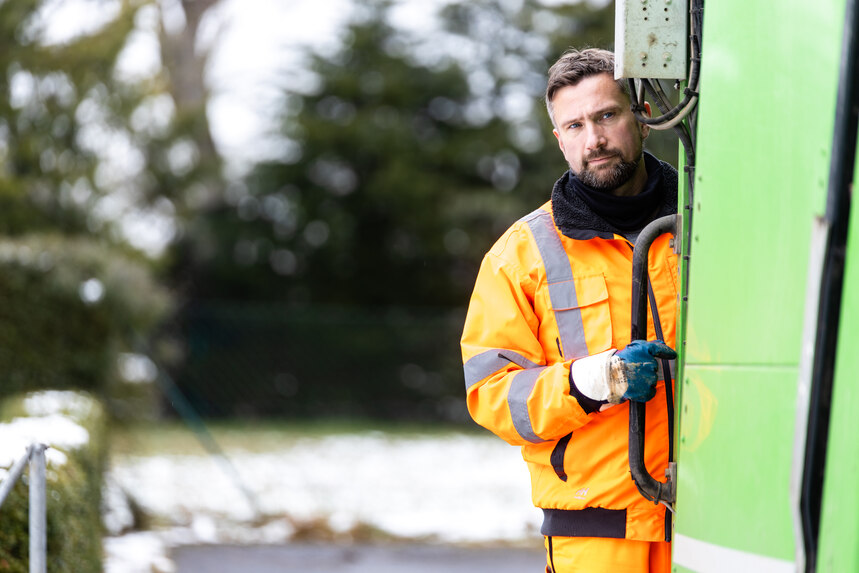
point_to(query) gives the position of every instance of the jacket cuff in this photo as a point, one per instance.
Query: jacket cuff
(589, 405)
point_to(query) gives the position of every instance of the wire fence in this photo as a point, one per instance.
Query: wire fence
(254, 360)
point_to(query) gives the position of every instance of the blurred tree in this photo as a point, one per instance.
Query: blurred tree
(104, 133)
(400, 164)
(408, 158)
(184, 163)
(53, 100)
(77, 190)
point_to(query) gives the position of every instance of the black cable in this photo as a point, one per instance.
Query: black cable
(659, 96)
(655, 86)
(689, 93)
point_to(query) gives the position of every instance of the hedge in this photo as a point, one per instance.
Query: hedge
(72, 424)
(69, 308)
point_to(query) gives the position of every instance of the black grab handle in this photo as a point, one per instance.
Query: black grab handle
(652, 489)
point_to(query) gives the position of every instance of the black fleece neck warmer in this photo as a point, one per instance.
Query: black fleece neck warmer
(581, 210)
(625, 213)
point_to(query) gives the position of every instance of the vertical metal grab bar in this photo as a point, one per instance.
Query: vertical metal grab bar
(38, 502)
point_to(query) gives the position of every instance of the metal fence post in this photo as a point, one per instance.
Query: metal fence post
(14, 474)
(38, 519)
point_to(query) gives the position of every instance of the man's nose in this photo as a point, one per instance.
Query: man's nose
(596, 137)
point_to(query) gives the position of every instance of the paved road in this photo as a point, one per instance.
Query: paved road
(318, 558)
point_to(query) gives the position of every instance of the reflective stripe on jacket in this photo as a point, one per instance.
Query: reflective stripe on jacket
(542, 300)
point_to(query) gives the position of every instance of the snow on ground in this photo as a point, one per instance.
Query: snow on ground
(455, 488)
(53, 420)
(450, 488)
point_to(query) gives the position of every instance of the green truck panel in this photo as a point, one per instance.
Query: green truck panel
(765, 122)
(737, 481)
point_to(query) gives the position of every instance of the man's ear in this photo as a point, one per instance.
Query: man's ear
(647, 109)
(645, 129)
(560, 141)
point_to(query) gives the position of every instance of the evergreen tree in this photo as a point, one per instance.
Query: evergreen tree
(54, 104)
(401, 163)
(398, 171)
(73, 293)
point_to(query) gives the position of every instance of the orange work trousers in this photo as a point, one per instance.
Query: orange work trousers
(604, 555)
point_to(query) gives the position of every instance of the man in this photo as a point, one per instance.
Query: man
(548, 360)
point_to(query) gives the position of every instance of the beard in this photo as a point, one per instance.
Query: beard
(610, 177)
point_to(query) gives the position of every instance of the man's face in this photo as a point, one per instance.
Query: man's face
(599, 136)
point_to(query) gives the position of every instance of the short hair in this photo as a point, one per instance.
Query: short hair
(574, 66)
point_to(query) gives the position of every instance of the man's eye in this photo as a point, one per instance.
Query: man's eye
(574, 126)
(608, 115)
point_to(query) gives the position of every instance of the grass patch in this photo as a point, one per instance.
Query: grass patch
(175, 437)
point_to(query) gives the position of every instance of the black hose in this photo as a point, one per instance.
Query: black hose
(649, 487)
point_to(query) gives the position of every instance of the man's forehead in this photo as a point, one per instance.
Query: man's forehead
(601, 86)
(591, 95)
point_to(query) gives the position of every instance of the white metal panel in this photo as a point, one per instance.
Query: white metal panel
(650, 39)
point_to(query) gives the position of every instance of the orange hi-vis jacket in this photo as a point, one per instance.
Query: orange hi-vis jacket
(541, 301)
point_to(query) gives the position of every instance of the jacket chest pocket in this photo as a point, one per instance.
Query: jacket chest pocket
(582, 314)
